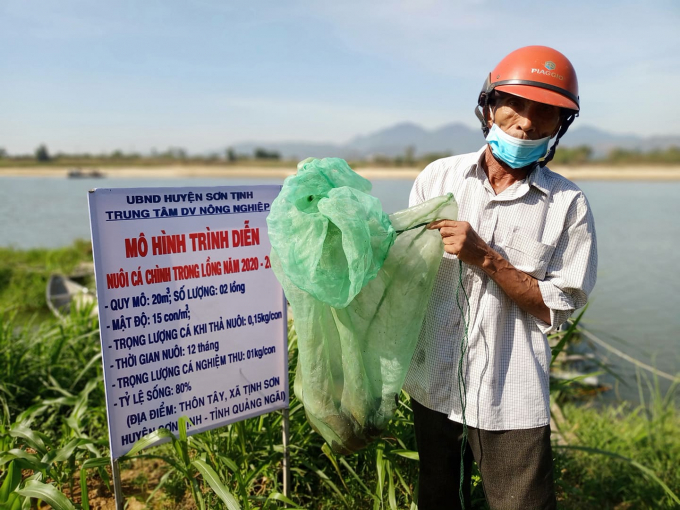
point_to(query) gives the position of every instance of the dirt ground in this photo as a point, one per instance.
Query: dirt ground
(139, 479)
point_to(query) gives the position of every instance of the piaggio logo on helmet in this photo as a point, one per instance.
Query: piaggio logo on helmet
(550, 66)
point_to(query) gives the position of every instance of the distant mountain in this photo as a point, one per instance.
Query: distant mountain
(603, 142)
(455, 138)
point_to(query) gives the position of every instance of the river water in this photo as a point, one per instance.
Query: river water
(635, 306)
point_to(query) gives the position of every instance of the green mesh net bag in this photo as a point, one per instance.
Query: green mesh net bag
(358, 282)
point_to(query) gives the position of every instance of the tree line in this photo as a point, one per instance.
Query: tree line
(42, 154)
(580, 155)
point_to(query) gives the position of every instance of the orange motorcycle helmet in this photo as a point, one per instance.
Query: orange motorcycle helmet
(538, 73)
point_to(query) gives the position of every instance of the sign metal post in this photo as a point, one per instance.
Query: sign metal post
(286, 453)
(117, 486)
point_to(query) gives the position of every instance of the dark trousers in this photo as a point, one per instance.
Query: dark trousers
(515, 465)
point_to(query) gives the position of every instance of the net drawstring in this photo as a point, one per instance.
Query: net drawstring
(462, 392)
(413, 227)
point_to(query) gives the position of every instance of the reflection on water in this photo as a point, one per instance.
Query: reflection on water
(635, 306)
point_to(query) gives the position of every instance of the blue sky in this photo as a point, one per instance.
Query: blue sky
(96, 75)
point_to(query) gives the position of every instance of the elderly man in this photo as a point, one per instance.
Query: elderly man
(519, 260)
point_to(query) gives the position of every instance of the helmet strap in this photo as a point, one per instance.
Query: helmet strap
(483, 102)
(563, 129)
(480, 116)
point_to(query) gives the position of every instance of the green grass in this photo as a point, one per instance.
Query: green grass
(54, 426)
(616, 452)
(24, 275)
(54, 446)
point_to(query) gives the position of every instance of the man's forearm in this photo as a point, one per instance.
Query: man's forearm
(461, 240)
(519, 286)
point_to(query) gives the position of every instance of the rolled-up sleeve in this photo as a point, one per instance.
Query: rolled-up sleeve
(572, 270)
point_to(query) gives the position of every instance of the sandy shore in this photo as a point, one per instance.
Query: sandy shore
(633, 173)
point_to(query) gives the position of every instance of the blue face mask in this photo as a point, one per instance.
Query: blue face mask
(516, 152)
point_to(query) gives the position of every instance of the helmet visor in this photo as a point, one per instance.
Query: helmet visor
(539, 95)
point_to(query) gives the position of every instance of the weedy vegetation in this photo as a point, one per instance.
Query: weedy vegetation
(24, 275)
(54, 444)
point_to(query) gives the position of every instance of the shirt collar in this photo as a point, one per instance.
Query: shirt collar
(536, 177)
(476, 160)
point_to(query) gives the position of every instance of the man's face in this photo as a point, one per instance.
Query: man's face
(523, 118)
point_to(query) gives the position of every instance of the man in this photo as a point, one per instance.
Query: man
(520, 258)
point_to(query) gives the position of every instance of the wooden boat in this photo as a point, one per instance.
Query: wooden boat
(62, 293)
(77, 173)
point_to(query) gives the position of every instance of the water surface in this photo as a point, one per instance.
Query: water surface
(635, 305)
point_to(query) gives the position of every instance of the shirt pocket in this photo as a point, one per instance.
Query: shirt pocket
(527, 255)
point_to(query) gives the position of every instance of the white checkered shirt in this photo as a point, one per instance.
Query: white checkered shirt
(544, 227)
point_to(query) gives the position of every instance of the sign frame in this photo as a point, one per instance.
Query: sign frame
(261, 208)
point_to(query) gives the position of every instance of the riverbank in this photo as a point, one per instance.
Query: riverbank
(611, 456)
(587, 172)
(616, 457)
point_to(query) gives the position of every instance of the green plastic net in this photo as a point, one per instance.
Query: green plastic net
(358, 282)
